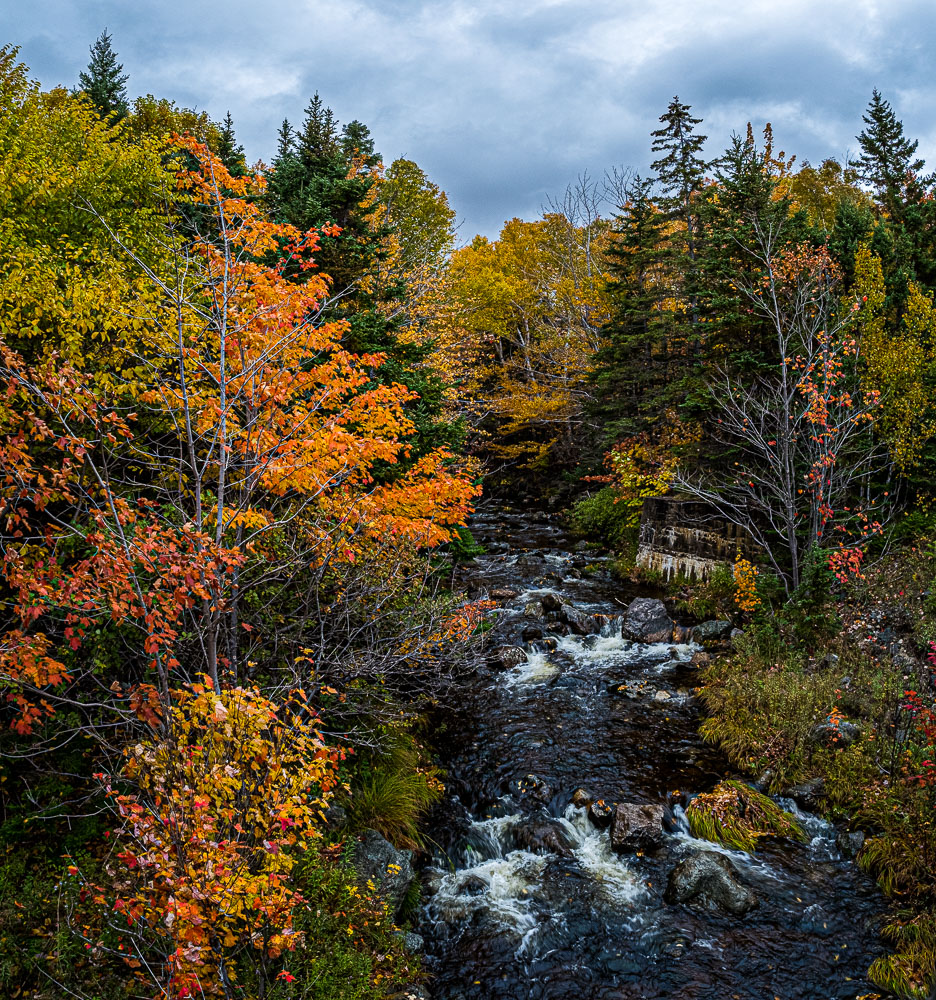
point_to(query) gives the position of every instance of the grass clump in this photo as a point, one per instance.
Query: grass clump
(735, 815)
(392, 789)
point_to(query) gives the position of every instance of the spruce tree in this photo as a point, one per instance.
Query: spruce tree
(632, 374)
(680, 168)
(105, 83)
(229, 152)
(887, 157)
(322, 176)
(285, 140)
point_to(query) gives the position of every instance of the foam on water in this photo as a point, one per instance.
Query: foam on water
(593, 853)
(536, 670)
(500, 888)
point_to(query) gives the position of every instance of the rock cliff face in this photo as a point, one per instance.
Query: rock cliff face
(682, 538)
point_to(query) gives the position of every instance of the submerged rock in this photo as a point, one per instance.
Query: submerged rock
(709, 879)
(713, 631)
(647, 621)
(636, 827)
(543, 834)
(390, 869)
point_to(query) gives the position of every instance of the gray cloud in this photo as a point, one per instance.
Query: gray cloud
(503, 102)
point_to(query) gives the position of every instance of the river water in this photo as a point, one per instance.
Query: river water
(525, 900)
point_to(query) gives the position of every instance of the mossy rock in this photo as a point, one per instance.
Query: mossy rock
(735, 815)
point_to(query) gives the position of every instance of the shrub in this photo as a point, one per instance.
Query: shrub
(606, 515)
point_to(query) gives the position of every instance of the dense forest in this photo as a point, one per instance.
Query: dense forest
(247, 413)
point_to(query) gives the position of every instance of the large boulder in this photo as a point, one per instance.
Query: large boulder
(714, 631)
(647, 620)
(636, 827)
(578, 622)
(709, 879)
(390, 869)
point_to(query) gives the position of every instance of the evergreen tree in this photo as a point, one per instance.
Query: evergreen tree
(285, 140)
(357, 142)
(632, 374)
(105, 83)
(326, 176)
(318, 140)
(744, 207)
(887, 158)
(680, 168)
(229, 152)
(888, 162)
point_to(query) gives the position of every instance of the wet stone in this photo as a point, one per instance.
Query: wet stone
(708, 878)
(636, 827)
(581, 799)
(647, 621)
(850, 842)
(534, 609)
(601, 813)
(505, 657)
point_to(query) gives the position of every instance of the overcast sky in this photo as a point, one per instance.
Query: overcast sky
(503, 102)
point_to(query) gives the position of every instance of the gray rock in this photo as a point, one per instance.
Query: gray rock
(646, 620)
(531, 560)
(411, 940)
(850, 842)
(335, 816)
(505, 657)
(578, 622)
(710, 879)
(662, 696)
(535, 610)
(531, 632)
(713, 631)
(376, 860)
(636, 827)
(835, 735)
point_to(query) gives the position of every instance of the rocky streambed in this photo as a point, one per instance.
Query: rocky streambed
(563, 865)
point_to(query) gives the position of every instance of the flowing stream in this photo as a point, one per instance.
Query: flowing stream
(525, 900)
